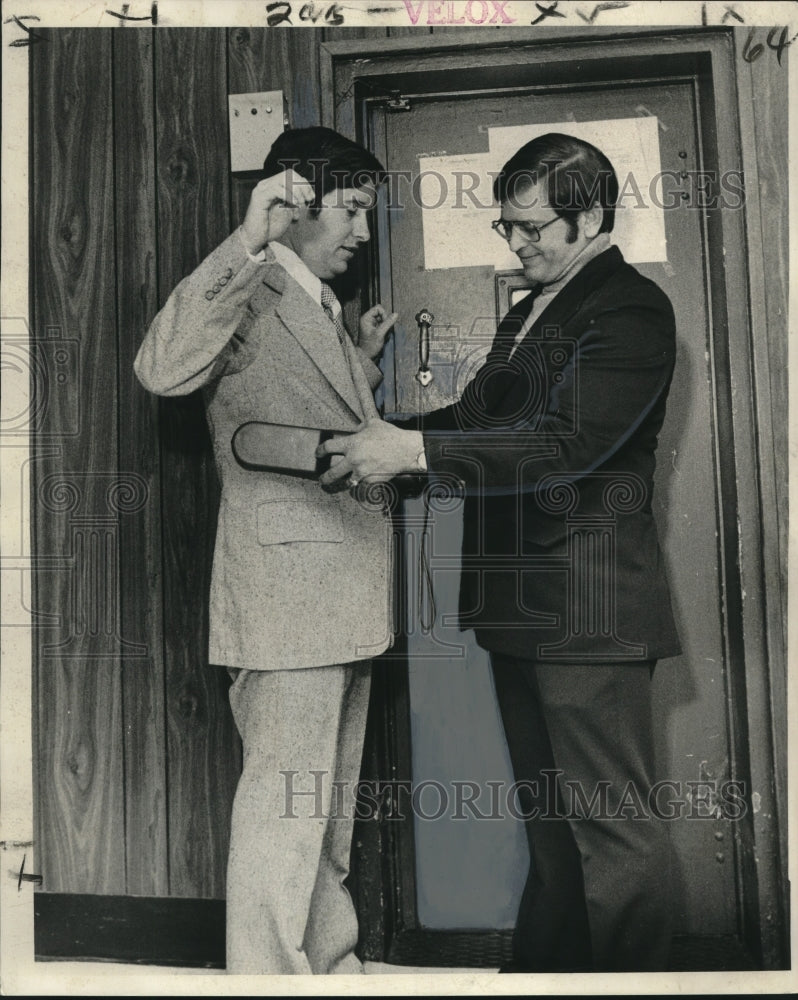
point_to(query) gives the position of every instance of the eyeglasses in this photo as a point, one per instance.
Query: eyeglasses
(528, 230)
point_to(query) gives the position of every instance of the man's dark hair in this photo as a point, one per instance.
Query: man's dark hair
(577, 176)
(326, 159)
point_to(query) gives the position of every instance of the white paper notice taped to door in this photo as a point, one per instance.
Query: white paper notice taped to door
(457, 208)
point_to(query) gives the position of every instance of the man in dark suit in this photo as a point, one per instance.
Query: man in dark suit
(554, 440)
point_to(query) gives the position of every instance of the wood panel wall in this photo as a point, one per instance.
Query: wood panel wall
(81, 761)
(136, 753)
(141, 571)
(137, 756)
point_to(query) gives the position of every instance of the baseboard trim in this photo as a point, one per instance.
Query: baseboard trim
(144, 930)
(137, 929)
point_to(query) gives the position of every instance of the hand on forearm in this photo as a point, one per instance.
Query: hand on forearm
(377, 452)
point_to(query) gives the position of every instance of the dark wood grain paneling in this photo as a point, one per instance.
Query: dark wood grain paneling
(193, 197)
(266, 59)
(139, 462)
(80, 787)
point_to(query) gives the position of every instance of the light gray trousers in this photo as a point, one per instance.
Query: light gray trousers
(293, 813)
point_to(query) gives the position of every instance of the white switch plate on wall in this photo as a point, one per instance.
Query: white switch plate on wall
(255, 122)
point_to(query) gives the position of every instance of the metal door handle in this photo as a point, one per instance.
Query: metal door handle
(424, 319)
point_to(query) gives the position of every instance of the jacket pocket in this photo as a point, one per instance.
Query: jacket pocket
(296, 520)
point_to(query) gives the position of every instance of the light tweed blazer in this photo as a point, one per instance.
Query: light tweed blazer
(301, 578)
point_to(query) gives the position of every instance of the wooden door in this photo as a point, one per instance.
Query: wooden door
(469, 872)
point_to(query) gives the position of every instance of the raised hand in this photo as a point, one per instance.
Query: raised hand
(375, 325)
(274, 203)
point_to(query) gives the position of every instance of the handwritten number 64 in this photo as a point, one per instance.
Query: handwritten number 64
(752, 52)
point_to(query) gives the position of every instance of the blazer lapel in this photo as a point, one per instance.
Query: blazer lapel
(361, 383)
(315, 331)
(569, 299)
(513, 321)
(498, 376)
(510, 385)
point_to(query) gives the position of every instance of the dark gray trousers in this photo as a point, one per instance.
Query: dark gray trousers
(598, 892)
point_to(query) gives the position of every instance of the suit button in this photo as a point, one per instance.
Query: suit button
(209, 295)
(223, 281)
(229, 272)
(217, 287)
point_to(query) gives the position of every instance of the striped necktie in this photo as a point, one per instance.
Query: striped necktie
(328, 302)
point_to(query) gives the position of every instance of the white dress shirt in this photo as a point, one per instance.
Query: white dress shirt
(293, 264)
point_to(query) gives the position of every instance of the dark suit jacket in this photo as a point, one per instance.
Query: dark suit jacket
(556, 448)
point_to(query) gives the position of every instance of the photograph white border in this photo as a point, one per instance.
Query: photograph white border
(20, 974)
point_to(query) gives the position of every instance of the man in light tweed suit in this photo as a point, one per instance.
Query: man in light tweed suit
(300, 598)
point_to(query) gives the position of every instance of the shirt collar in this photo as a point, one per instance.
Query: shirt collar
(585, 255)
(293, 264)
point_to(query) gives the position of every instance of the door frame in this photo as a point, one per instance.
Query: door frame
(359, 72)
